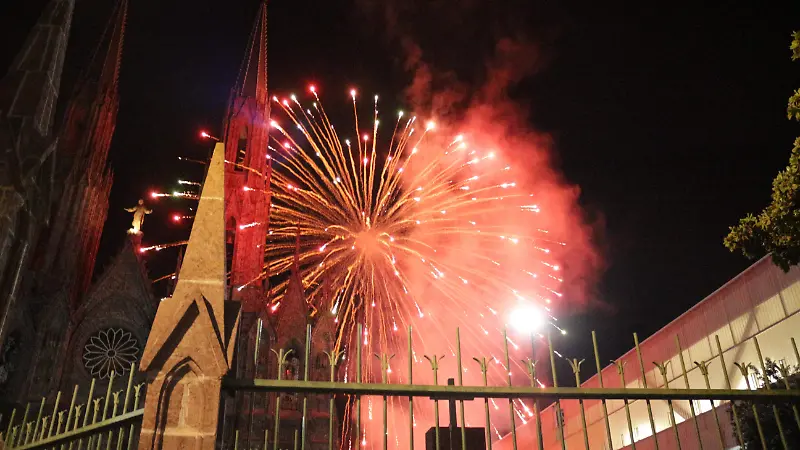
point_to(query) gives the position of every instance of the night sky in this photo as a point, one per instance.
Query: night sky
(672, 120)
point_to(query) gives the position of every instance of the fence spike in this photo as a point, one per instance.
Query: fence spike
(24, 422)
(767, 387)
(53, 416)
(108, 394)
(621, 372)
(644, 383)
(10, 424)
(703, 367)
(39, 418)
(128, 388)
(686, 382)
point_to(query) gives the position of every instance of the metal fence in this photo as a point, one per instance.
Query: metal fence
(764, 415)
(103, 422)
(766, 401)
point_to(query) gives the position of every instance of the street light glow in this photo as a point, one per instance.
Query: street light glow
(527, 319)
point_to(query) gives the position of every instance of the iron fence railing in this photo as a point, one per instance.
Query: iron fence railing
(691, 432)
(104, 422)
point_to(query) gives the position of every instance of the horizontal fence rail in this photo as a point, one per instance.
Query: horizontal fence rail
(102, 422)
(467, 393)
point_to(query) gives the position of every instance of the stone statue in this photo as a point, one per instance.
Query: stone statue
(139, 212)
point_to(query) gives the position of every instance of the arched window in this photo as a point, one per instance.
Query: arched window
(320, 362)
(230, 243)
(241, 148)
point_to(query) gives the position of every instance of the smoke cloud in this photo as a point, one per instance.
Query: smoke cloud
(464, 60)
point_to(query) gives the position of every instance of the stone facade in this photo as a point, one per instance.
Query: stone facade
(55, 311)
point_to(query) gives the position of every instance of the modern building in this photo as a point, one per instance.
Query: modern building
(760, 304)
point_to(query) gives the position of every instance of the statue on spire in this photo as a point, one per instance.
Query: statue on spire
(139, 211)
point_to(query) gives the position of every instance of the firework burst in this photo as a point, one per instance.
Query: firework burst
(391, 233)
(415, 229)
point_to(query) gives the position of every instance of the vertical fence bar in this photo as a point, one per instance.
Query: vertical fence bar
(576, 369)
(251, 400)
(461, 383)
(45, 422)
(785, 374)
(435, 367)
(600, 379)
(333, 358)
(686, 383)
(536, 411)
(745, 370)
(135, 406)
(384, 373)
(736, 423)
(113, 414)
(27, 432)
(305, 396)
(108, 394)
(411, 399)
(663, 369)
(78, 410)
(621, 372)
(644, 384)
(510, 400)
(128, 388)
(18, 441)
(487, 421)
(71, 410)
(38, 419)
(96, 411)
(119, 430)
(358, 380)
(11, 422)
(295, 439)
(7, 434)
(88, 407)
(266, 438)
(559, 420)
(52, 416)
(703, 367)
(766, 385)
(281, 358)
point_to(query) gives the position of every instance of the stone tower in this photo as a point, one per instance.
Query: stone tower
(247, 175)
(70, 249)
(28, 96)
(50, 312)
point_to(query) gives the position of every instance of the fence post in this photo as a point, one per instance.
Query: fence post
(191, 344)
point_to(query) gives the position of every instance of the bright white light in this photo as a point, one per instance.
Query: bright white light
(526, 319)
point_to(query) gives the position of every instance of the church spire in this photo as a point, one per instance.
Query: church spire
(109, 74)
(202, 278)
(252, 79)
(248, 171)
(261, 71)
(82, 173)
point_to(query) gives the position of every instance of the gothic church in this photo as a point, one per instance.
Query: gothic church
(61, 324)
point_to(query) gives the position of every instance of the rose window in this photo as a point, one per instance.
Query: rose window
(110, 351)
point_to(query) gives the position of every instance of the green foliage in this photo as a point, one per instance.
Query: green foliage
(793, 110)
(776, 229)
(775, 376)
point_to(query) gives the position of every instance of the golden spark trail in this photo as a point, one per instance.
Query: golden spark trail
(414, 229)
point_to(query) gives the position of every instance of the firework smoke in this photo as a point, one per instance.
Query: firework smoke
(389, 237)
